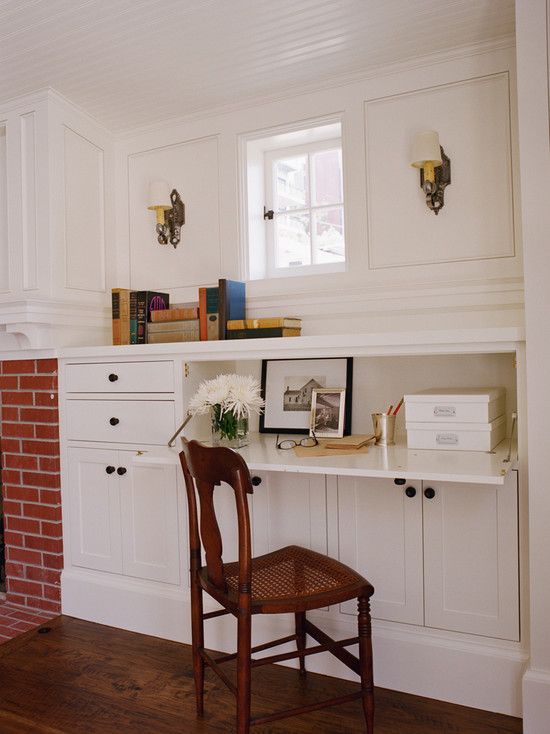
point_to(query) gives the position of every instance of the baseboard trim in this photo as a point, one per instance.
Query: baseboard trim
(485, 675)
(536, 701)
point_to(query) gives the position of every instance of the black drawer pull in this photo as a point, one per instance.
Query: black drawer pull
(399, 481)
(410, 492)
(121, 471)
(114, 421)
(429, 493)
(113, 377)
(256, 481)
(109, 469)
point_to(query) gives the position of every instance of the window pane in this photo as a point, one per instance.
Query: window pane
(291, 183)
(292, 240)
(328, 235)
(327, 177)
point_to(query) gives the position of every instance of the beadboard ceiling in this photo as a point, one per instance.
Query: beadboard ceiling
(134, 62)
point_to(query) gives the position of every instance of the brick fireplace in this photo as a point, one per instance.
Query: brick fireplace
(29, 446)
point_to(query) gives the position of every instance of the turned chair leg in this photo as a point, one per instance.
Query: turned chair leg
(300, 618)
(197, 639)
(243, 674)
(365, 660)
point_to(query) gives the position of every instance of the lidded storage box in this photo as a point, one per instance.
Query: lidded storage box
(463, 419)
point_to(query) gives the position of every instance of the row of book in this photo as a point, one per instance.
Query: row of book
(141, 317)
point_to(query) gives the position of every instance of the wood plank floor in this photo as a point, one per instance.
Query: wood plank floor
(83, 678)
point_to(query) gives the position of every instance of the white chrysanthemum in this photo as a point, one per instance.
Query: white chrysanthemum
(244, 396)
(239, 394)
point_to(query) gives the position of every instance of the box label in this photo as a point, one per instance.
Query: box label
(446, 439)
(444, 411)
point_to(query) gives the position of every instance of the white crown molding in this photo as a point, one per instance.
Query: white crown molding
(439, 57)
(472, 295)
(53, 313)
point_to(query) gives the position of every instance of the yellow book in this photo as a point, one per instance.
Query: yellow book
(276, 322)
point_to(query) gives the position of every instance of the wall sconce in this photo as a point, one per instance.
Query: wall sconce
(435, 168)
(170, 211)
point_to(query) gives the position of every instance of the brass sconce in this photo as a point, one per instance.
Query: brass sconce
(435, 168)
(170, 211)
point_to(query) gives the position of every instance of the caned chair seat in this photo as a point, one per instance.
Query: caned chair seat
(291, 579)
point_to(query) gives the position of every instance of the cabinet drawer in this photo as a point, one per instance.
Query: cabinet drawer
(121, 421)
(120, 377)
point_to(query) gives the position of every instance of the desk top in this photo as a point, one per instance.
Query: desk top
(472, 467)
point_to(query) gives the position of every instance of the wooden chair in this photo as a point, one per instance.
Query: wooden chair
(292, 579)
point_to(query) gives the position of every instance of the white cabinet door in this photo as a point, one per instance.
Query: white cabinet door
(94, 508)
(471, 558)
(290, 509)
(380, 535)
(150, 521)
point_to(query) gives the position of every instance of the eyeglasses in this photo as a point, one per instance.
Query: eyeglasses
(290, 443)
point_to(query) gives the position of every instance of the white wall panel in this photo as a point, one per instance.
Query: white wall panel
(29, 201)
(4, 252)
(84, 213)
(473, 121)
(192, 168)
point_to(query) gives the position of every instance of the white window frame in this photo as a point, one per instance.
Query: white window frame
(270, 159)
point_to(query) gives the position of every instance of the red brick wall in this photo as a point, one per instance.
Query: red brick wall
(29, 444)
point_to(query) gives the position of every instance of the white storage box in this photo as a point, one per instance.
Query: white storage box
(460, 405)
(456, 436)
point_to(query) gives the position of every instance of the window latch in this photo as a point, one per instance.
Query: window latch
(268, 213)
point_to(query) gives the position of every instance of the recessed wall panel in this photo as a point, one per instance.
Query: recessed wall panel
(4, 253)
(28, 202)
(473, 122)
(191, 167)
(84, 214)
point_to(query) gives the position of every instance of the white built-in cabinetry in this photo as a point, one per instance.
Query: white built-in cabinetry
(435, 532)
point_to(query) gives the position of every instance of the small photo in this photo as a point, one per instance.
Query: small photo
(327, 412)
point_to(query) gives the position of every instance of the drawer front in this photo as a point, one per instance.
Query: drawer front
(121, 421)
(120, 377)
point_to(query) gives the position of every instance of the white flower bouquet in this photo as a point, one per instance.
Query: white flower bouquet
(230, 399)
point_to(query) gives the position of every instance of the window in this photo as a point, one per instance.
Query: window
(295, 198)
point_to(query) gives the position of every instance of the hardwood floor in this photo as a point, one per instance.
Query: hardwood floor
(83, 678)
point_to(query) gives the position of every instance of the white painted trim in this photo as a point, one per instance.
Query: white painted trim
(164, 611)
(536, 701)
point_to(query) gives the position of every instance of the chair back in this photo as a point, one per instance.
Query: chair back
(204, 468)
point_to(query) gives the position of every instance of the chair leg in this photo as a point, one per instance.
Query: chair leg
(365, 660)
(197, 639)
(243, 674)
(300, 618)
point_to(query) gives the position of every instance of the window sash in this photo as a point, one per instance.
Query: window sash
(270, 160)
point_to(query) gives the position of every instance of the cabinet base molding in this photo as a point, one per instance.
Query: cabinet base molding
(137, 606)
(536, 701)
(430, 664)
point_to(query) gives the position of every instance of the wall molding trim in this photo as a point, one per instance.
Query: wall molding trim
(51, 323)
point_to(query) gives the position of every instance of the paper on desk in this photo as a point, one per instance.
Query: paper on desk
(322, 450)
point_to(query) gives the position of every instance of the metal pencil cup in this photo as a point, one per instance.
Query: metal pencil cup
(384, 428)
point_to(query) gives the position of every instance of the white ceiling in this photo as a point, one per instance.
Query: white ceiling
(134, 62)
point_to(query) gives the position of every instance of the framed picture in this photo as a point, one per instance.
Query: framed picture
(327, 412)
(287, 386)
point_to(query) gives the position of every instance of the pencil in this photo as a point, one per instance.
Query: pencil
(388, 411)
(399, 404)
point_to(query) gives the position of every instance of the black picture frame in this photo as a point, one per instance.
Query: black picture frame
(271, 420)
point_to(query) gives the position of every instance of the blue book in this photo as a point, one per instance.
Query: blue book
(232, 302)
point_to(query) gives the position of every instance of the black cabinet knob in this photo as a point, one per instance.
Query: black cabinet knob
(410, 492)
(121, 471)
(109, 469)
(114, 421)
(399, 481)
(429, 493)
(113, 377)
(256, 481)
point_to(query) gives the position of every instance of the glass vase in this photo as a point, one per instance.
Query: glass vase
(228, 429)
